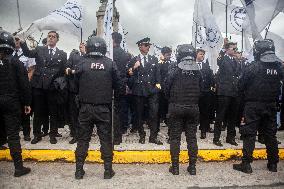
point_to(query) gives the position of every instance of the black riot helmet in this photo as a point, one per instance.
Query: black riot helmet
(7, 42)
(96, 46)
(263, 46)
(185, 50)
(186, 55)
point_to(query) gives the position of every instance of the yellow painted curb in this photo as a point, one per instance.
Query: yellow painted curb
(157, 156)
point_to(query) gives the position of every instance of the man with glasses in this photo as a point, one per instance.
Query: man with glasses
(145, 85)
(50, 62)
(227, 93)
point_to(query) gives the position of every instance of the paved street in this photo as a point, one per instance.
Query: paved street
(209, 175)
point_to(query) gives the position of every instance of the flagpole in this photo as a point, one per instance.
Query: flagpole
(195, 34)
(81, 35)
(242, 39)
(266, 30)
(19, 16)
(212, 6)
(226, 18)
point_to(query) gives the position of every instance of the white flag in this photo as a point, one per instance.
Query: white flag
(123, 44)
(67, 19)
(206, 33)
(235, 17)
(279, 44)
(259, 14)
(157, 51)
(108, 28)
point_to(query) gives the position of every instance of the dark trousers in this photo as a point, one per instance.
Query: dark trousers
(26, 123)
(10, 110)
(162, 110)
(3, 134)
(45, 103)
(99, 115)
(152, 103)
(260, 116)
(73, 111)
(45, 122)
(122, 105)
(183, 118)
(163, 106)
(205, 105)
(227, 108)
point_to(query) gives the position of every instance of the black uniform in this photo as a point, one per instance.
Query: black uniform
(73, 110)
(49, 66)
(121, 101)
(97, 77)
(183, 88)
(227, 92)
(143, 86)
(14, 91)
(261, 86)
(206, 97)
(25, 118)
(163, 101)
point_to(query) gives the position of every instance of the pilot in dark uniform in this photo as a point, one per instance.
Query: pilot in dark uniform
(145, 85)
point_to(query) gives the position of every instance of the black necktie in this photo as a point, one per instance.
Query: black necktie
(145, 60)
(50, 54)
(16, 54)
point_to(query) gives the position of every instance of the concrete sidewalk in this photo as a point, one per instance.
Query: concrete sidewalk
(130, 151)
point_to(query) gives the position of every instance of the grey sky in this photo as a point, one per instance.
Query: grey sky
(166, 22)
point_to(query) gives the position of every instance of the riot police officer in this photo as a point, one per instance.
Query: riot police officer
(97, 76)
(14, 90)
(183, 90)
(260, 84)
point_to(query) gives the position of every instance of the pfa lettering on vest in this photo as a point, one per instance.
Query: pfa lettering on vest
(271, 72)
(97, 66)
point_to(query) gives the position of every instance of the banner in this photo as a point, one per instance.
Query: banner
(123, 44)
(67, 19)
(108, 28)
(206, 33)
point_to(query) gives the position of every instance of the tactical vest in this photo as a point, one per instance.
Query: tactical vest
(8, 84)
(265, 85)
(185, 89)
(95, 82)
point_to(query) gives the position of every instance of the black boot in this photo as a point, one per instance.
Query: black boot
(20, 170)
(243, 167)
(203, 135)
(191, 169)
(174, 169)
(109, 172)
(117, 141)
(272, 167)
(73, 141)
(79, 174)
(142, 140)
